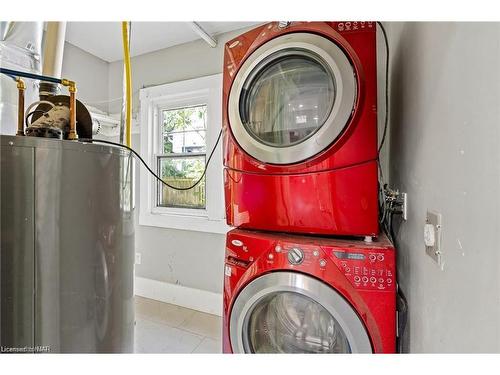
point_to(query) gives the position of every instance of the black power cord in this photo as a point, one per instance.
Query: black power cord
(89, 140)
(402, 308)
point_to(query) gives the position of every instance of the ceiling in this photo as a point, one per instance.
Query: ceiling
(104, 39)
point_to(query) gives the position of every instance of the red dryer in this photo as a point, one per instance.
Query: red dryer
(300, 128)
(299, 294)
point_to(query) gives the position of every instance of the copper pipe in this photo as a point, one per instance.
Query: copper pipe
(21, 87)
(73, 135)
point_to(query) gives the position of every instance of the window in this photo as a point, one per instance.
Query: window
(184, 156)
(180, 123)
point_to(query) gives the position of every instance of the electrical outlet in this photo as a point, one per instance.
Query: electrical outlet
(137, 258)
(432, 236)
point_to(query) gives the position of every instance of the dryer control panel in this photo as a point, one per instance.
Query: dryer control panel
(368, 269)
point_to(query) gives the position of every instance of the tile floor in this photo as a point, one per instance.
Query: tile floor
(165, 328)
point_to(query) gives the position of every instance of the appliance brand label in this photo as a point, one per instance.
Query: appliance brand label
(237, 243)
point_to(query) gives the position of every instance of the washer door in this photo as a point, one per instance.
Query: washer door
(292, 98)
(286, 312)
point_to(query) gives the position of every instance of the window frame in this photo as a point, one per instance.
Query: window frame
(154, 100)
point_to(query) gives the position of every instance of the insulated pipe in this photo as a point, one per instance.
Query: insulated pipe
(212, 42)
(128, 82)
(53, 50)
(5, 29)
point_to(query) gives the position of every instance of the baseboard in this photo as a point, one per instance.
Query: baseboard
(196, 299)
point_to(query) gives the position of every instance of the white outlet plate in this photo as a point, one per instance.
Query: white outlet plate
(138, 258)
(404, 196)
(435, 251)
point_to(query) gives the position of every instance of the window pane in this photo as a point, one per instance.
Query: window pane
(184, 130)
(182, 172)
(288, 99)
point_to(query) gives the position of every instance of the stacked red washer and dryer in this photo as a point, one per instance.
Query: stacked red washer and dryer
(300, 157)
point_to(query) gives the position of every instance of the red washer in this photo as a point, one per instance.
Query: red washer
(286, 293)
(300, 128)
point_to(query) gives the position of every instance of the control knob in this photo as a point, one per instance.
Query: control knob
(295, 256)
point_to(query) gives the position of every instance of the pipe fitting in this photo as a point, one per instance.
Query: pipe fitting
(21, 87)
(71, 85)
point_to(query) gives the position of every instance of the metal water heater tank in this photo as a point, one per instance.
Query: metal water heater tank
(67, 247)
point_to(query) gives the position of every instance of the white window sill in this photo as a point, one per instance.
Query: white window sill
(184, 222)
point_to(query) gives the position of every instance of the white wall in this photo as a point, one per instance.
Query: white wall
(445, 153)
(186, 258)
(90, 74)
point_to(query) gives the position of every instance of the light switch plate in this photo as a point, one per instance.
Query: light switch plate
(434, 251)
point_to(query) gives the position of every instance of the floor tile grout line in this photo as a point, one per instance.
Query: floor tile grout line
(197, 346)
(200, 335)
(180, 327)
(161, 321)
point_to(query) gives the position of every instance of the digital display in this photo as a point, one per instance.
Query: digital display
(351, 256)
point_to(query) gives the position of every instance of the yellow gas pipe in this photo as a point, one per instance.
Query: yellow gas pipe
(128, 83)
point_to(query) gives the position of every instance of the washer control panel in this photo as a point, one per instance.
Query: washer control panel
(366, 266)
(303, 255)
(295, 255)
(368, 269)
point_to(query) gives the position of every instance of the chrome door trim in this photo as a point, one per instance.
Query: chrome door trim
(346, 91)
(318, 291)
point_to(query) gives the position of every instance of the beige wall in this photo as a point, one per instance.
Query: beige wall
(89, 72)
(445, 90)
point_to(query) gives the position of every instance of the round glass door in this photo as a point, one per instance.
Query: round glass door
(292, 98)
(288, 99)
(289, 312)
(289, 322)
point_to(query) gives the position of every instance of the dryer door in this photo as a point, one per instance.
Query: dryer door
(292, 98)
(286, 312)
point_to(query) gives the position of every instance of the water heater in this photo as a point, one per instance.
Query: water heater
(67, 247)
